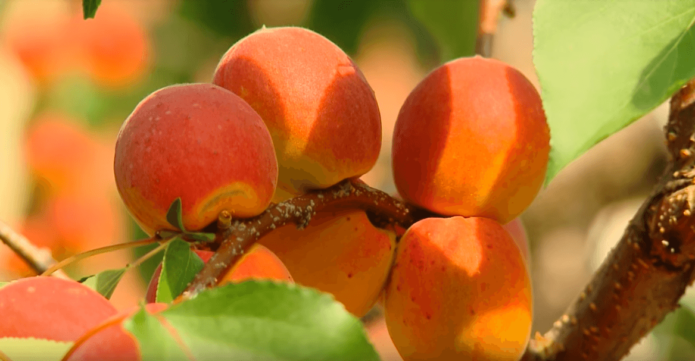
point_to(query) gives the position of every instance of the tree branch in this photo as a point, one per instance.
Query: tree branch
(646, 274)
(382, 209)
(39, 259)
(489, 13)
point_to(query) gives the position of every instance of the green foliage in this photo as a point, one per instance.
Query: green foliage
(224, 18)
(104, 282)
(89, 8)
(602, 66)
(175, 215)
(257, 321)
(156, 343)
(32, 349)
(179, 267)
(453, 24)
(341, 21)
(147, 267)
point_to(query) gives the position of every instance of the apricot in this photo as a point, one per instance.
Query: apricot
(516, 229)
(109, 341)
(471, 140)
(113, 46)
(201, 143)
(50, 308)
(459, 290)
(342, 254)
(258, 263)
(60, 151)
(320, 110)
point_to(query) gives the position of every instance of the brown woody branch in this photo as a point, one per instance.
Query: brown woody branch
(488, 15)
(39, 259)
(646, 274)
(237, 237)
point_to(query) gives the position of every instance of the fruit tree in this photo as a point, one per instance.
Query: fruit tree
(252, 187)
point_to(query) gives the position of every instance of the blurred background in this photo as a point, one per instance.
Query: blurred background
(67, 84)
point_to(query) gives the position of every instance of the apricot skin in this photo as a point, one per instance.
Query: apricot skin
(109, 341)
(50, 308)
(342, 254)
(320, 110)
(472, 140)
(459, 290)
(516, 229)
(258, 263)
(198, 142)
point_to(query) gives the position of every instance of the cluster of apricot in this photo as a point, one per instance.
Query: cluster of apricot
(289, 112)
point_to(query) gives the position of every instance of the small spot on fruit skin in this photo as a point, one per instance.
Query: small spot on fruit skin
(31, 289)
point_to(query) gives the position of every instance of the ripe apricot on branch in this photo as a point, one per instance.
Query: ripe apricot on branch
(50, 308)
(109, 341)
(459, 290)
(472, 140)
(258, 263)
(342, 254)
(201, 143)
(320, 110)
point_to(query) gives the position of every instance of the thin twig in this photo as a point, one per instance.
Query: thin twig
(39, 259)
(490, 11)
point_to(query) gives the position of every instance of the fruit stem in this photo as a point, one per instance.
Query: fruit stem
(149, 254)
(97, 251)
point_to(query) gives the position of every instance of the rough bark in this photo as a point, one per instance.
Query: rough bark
(646, 274)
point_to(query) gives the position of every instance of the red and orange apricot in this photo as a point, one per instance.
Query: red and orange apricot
(320, 110)
(342, 254)
(459, 290)
(472, 140)
(113, 47)
(50, 308)
(258, 263)
(109, 341)
(201, 143)
(516, 229)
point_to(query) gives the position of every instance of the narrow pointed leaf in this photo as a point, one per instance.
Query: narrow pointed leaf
(179, 267)
(89, 8)
(175, 215)
(104, 282)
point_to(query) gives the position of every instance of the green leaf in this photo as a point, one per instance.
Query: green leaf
(199, 236)
(179, 267)
(156, 343)
(341, 21)
(104, 282)
(603, 65)
(175, 215)
(89, 8)
(453, 24)
(3, 284)
(32, 349)
(267, 321)
(685, 324)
